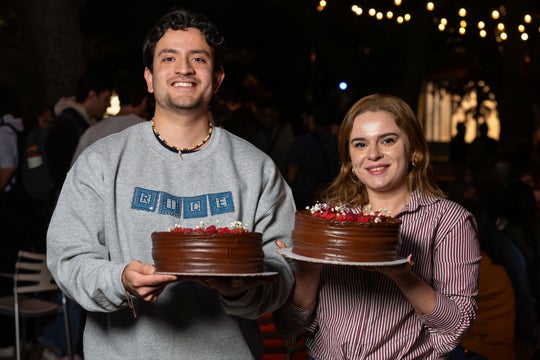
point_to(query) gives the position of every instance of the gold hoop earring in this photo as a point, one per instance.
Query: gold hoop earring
(414, 161)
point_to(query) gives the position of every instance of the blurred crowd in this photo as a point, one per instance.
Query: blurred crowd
(500, 185)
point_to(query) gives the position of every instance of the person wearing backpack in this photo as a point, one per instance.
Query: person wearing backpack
(35, 177)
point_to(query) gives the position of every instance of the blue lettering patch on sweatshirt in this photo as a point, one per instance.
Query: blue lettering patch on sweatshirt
(195, 207)
(170, 205)
(221, 203)
(144, 199)
(200, 206)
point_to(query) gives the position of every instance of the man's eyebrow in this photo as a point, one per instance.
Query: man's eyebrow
(167, 51)
(175, 51)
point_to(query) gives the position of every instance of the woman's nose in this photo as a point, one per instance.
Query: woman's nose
(374, 153)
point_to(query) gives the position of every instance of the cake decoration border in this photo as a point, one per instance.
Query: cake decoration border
(343, 213)
(235, 227)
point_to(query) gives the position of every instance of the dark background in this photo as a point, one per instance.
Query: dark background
(289, 47)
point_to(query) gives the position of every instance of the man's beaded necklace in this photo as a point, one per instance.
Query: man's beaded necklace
(183, 150)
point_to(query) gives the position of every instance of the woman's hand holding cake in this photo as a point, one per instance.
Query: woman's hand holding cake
(307, 275)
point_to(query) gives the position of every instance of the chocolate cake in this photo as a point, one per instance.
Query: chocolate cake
(344, 236)
(208, 251)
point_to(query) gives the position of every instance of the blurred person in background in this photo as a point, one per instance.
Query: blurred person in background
(12, 203)
(314, 158)
(92, 98)
(135, 102)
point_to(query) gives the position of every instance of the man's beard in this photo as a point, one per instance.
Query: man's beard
(171, 103)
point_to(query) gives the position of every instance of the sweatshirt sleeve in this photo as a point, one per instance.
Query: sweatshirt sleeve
(77, 254)
(275, 221)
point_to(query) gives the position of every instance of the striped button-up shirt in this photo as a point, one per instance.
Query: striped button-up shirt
(362, 314)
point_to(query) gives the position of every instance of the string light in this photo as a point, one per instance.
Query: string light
(497, 14)
(322, 4)
(357, 10)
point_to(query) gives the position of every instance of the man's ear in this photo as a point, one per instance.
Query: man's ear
(149, 80)
(219, 75)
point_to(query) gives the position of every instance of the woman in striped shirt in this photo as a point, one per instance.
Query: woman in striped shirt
(418, 310)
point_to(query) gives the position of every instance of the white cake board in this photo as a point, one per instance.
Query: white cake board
(287, 252)
(197, 275)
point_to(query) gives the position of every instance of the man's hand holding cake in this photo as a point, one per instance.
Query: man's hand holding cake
(142, 281)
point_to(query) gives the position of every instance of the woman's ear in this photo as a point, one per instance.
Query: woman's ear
(414, 160)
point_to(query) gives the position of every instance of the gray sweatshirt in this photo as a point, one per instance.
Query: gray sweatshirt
(128, 185)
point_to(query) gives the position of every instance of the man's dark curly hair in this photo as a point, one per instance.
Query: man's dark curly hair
(178, 19)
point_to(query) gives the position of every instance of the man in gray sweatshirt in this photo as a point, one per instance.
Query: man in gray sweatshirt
(175, 169)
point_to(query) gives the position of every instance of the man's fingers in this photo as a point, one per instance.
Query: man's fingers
(281, 244)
